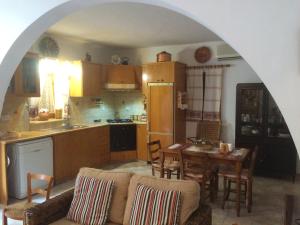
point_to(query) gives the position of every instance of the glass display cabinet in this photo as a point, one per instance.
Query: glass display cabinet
(260, 122)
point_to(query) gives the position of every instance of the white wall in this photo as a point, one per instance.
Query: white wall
(239, 72)
(75, 49)
(265, 33)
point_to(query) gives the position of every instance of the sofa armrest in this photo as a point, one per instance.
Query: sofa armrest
(202, 216)
(49, 211)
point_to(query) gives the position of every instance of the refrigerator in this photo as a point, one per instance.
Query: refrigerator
(164, 118)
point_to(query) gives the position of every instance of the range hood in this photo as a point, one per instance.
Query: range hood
(120, 87)
(122, 77)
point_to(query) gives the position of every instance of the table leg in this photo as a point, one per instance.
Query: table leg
(238, 187)
(162, 171)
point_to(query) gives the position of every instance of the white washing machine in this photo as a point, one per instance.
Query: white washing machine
(31, 156)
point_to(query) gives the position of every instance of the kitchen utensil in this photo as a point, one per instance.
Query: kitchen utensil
(58, 113)
(43, 116)
(163, 57)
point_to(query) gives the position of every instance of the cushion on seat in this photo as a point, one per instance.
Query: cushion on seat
(91, 201)
(120, 190)
(155, 207)
(64, 221)
(16, 211)
(190, 194)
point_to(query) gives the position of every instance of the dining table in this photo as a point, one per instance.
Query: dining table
(236, 158)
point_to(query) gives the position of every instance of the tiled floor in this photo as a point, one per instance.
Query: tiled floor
(267, 203)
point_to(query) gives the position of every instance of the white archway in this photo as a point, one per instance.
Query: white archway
(265, 33)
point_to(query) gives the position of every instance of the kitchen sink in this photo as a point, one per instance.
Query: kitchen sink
(71, 127)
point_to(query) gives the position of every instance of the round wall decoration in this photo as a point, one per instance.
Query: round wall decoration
(202, 54)
(48, 47)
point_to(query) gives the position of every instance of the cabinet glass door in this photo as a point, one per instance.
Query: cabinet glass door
(30, 75)
(251, 111)
(276, 125)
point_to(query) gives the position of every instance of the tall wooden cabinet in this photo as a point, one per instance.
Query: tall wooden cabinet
(162, 83)
(259, 122)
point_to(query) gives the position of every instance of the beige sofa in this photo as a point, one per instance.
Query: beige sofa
(54, 211)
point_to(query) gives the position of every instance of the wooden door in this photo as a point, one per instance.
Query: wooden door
(142, 153)
(160, 108)
(63, 152)
(92, 79)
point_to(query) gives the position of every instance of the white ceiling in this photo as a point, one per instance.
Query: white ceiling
(132, 25)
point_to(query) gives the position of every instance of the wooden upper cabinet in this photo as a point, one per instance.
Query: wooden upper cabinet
(89, 83)
(26, 79)
(159, 72)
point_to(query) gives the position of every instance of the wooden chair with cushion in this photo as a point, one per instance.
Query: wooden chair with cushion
(170, 166)
(198, 167)
(230, 177)
(16, 211)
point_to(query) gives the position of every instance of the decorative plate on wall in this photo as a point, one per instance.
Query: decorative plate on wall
(203, 54)
(48, 47)
(115, 59)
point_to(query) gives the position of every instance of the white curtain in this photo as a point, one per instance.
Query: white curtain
(204, 88)
(54, 83)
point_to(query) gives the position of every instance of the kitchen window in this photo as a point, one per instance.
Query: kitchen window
(54, 86)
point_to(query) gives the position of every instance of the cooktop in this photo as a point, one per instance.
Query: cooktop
(119, 121)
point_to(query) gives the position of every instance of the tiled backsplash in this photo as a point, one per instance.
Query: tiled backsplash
(15, 117)
(128, 103)
(108, 106)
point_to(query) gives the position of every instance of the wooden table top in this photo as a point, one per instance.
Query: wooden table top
(236, 155)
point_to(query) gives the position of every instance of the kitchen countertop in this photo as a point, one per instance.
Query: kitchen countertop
(30, 135)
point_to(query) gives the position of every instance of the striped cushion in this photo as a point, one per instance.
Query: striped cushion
(155, 207)
(91, 201)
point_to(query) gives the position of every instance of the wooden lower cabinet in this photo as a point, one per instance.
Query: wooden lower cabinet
(123, 156)
(76, 149)
(142, 152)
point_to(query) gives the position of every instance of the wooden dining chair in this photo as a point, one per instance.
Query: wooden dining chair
(246, 181)
(170, 166)
(198, 167)
(208, 131)
(16, 211)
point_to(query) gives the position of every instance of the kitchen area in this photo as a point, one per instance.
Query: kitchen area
(60, 116)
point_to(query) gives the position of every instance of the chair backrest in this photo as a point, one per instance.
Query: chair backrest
(193, 163)
(44, 192)
(253, 161)
(209, 130)
(153, 148)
